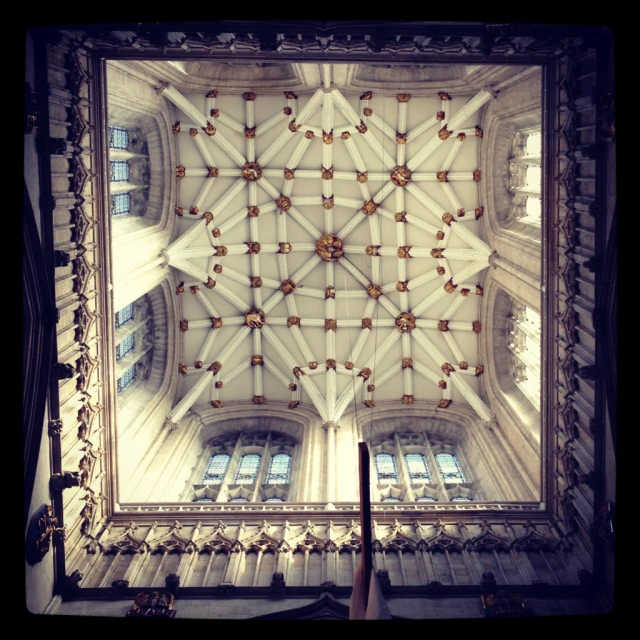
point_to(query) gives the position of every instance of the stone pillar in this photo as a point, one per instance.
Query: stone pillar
(330, 460)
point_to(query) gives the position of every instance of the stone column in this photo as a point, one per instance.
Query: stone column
(330, 460)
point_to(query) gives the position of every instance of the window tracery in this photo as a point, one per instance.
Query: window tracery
(524, 345)
(525, 177)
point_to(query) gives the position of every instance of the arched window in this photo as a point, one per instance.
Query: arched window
(524, 344)
(216, 469)
(248, 469)
(525, 176)
(449, 468)
(417, 467)
(386, 468)
(279, 469)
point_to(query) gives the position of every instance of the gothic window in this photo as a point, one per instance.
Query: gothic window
(525, 177)
(124, 315)
(524, 344)
(126, 378)
(449, 468)
(216, 469)
(120, 204)
(386, 468)
(118, 138)
(279, 469)
(119, 171)
(248, 469)
(417, 467)
(125, 346)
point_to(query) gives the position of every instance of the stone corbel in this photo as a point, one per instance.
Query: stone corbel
(64, 480)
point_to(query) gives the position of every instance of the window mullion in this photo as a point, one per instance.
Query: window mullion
(123, 187)
(403, 473)
(130, 359)
(262, 469)
(128, 328)
(432, 465)
(232, 467)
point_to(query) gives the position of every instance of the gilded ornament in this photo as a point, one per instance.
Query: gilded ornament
(289, 95)
(365, 374)
(210, 283)
(449, 287)
(287, 111)
(479, 290)
(372, 250)
(218, 268)
(479, 211)
(217, 404)
(401, 138)
(221, 251)
(444, 133)
(210, 130)
(329, 247)
(327, 138)
(447, 368)
(329, 292)
(461, 137)
(193, 132)
(184, 325)
(348, 365)
(443, 325)
(368, 111)
(293, 321)
(293, 386)
(327, 203)
(208, 216)
(255, 318)
(327, 174)
(367, 95)
(181, 172)
(442, 176)
(283, 203)
(404, 97)
(182, 368)
(198, 364)
(402, 286)
(442, 384)
(216, 323)
(407, 363)
(253, 247)
(214, 113)
(287, 286)
(369, 403)
(249, 96)
(212, 94)
(216, 232)
(404, 252)
(256, 282)
(219, 384)
(250, 133)
(194, 211)
(401, 176)
(477, 175)
(371, 388)
(330, 364)
(251, 171)
(443, 95)
(330, 324)
(215, 367)
(374, 291)
(464, 365)
(362, 176)
(176, 127)
(437, 253)
(401, 216)
(440, 235)
(479, 131)
(313, 365)
(194, 289)
(179, 211)
(367, 323)
(257, 360)
(444, 403)
(293, 404)
(461, 212)
(479, 370)
(405, 322)
(293, 126)
(253, 212)
(362, 127)
(180, 288)
(298, 372)
(407, 399)
(345, 135)
(309, 135)
(464, 292)
(369, 207)
(477, 326)
(440, 271)
(440, 115)
(285, 247)
(447, 218)
(289, 174)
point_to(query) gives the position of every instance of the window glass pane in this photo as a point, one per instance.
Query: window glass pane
(216, 469)
(425, 499)
(126, 378)
(274, 500)
(386, 468)
(449, 468)
(204, 500)
(118, 138)
(533, 177)
(391, 499)
(124, 315)
(119, 171)
(279, 469)
(533, 144)
(417, 466)
(125, 346)
(120, 204)
(248, 469)
(239, 500)
(461, 499)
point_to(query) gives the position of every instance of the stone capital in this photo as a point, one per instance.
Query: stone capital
(327, 425)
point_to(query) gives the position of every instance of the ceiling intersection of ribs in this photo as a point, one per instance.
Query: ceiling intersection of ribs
(332, 244)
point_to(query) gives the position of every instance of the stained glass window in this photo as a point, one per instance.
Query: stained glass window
(120, 204)
(126, 378)
(124, 346)
(386, 468)
(425, 499)
(119, 171)
(248, 469)
(216, 469)
(118, 138)
(279, 469)
(460, 499)
(391, 499)
(124, 315)
(449, 468)
(417, 467)
(274, 500)
(524, 343)
(204, 500)
(239, 500)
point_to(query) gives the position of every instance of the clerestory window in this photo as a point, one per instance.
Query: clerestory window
(524, 345)
(525, 177)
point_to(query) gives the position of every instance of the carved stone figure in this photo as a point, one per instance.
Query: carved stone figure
(369, 403)
(193, 132)
(441, 176)
(290, 95)
(208, 216)
(217, 268)
(401, 216)
(440, 116)
(257, 360)
(253, 247)
(447, 368)
(461, 137)
(403, 252)
(365, 374)
(214, 172)
(330, 364)
(176, 127)
(287, 286)
(461, 212)
(210, 130)
(182, 368)
(214, 113)
(401, 138)
(212, 94)
(181, 172)
(405, 322)
(442, 384)
(348, 365)
(477, 175)
(374, 291)
(256, 282)
(444, 133)
(327, 174)
(298, 372)
(179, 211)
(479, 211)
(327, 137)
(289, 174)
(402, 286)
(407, 363)
(479, 290)
(367, 95)
(464, 292)
(362, 127)
(449, 287)
(283, 203)
(329, 292)
(437, 253)
(369, 207)
(401, 175)
(210, 283)
(440, 271)
(404, 97)
(255, 318)
(180, 288)
(327, 203)
(313, 365)
(215, 367)
(447, 218)
(368, 111)
(221, 251)
(479, 131)
(287, 111)
(464, 365)
(479, 370)
(329, 247)
(443, 325)
(367, 323)
(345, 135)
(309, 135)
(259, 400)
(477, 326)
(249, 132)
(219, 384)
(293, 386)
(217, 404)
(194, 210)
(194, 289)
(330, 324)
(293, 404)
(251, 171)
(407, 399)
(362, 176)
(253, 212)
(444, 403)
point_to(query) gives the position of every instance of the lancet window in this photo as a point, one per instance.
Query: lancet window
(524, 344)
(525, 176)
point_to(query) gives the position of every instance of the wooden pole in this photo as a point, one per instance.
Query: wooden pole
(365, 517)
